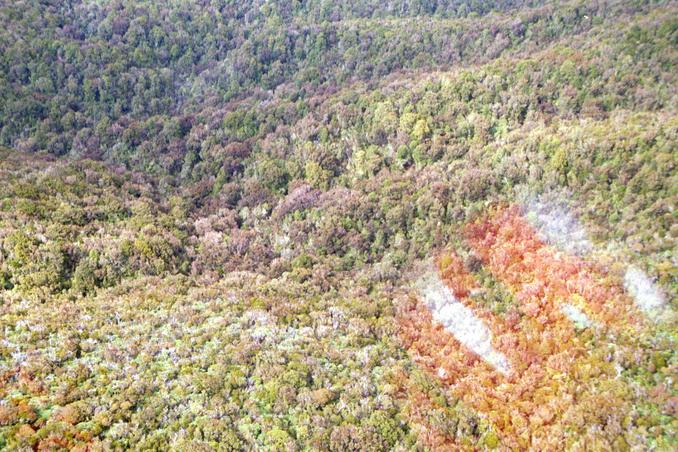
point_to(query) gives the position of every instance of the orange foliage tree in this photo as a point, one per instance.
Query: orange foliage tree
(563, 387)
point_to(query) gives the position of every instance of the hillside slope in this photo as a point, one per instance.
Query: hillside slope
(257, 226)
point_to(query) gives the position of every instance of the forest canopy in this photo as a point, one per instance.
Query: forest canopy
(246, 225)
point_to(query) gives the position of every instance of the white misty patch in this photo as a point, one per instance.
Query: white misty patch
(282, 242)
(558, 227)
(460, 321)
(578, 317)
(644, 292)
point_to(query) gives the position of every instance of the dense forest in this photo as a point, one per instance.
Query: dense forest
(360, 225)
